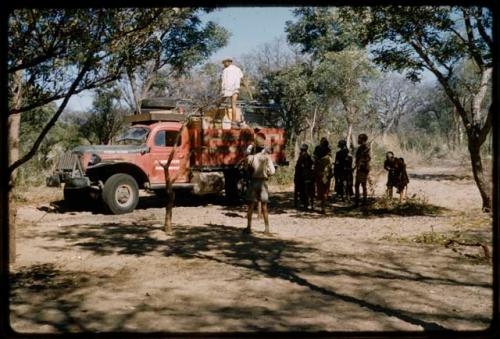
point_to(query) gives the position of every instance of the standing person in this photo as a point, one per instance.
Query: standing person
(362, 167)
(261, 167)
(342, 172)
(401, 177)
(391, 173)
(303, 178)
(322, 149)
(323, 172)
(231, 79)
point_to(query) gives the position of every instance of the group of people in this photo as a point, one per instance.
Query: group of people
(313, 174)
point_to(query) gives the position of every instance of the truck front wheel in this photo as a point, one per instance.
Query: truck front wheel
(120, 193)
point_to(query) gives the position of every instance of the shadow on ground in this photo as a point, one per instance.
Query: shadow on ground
(282, 202)
(440, 177)
(184, 199)
(260, 256)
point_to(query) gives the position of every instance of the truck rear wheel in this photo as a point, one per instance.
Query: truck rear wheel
(120, 193)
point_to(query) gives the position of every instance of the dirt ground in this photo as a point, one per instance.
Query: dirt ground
(367, 269)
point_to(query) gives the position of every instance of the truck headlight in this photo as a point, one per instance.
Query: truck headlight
(94, 160)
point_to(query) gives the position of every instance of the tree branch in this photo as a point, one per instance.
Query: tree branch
(52, 121)
(482, 30)
(470, 36)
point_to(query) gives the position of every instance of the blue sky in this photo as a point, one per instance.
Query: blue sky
(249, 27)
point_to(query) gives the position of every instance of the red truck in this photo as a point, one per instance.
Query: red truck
(205, 162)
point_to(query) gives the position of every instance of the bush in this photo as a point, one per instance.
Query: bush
(284, 175)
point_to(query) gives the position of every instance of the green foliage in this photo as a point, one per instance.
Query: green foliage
(319, 30)
(289, 91)
(60, 52)
(105, 119)
(283, 176)
(62, 137)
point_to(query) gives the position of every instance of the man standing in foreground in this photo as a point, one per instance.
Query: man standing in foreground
(261, 167)
(232, 77)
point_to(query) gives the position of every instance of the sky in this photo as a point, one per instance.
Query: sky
(249, 27)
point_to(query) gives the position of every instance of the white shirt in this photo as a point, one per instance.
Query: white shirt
(262, 165)
(231, 78)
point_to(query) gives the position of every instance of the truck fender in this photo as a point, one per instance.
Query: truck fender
(102, 171)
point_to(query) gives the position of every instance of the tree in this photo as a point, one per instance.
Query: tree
(436, 39)
(56, 53)
(185, 44)
(105, 119)
(414, 39)
(344, 76)
(392, 97)
(288, 90)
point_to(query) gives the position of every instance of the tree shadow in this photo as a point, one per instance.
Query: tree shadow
(380, 207)
(95, 206)
(439, 176)
(45, 295)
(259, 255)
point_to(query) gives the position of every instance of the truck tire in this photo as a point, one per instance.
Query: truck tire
(234, 195)
(120, 193)
(77, 198)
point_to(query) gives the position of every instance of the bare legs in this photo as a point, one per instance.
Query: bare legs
(265, 214)
(234, 99)
(365, 192)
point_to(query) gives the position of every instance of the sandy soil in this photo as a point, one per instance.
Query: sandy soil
(349, 270)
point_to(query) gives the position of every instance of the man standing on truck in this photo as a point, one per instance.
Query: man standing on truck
(260, 167)
(232, 77)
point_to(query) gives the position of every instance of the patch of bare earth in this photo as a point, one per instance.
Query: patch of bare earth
(353, 269)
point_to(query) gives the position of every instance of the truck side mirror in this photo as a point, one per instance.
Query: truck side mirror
(145, 150)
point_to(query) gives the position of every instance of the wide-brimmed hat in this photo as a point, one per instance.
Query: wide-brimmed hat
(228, 58)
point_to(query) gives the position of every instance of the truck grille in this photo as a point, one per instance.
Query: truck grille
(67, 161)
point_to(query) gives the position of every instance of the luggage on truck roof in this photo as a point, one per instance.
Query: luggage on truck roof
(159, 102)
(155, 116)
(159, 109)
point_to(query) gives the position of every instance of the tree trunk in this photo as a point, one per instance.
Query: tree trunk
(296, 150)
(14, 125)
(350, 143)
(169, 204)
(477, 171)
(384, 136)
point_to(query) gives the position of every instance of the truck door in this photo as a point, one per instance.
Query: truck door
(162, 144)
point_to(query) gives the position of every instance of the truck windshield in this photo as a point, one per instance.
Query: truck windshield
(133, 136)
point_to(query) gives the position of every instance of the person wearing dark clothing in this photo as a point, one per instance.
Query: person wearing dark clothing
(342, 172)
(401, 177)
(322, 149)
(391, 172)
(323, 172)
(303, 179)
(362, 167)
